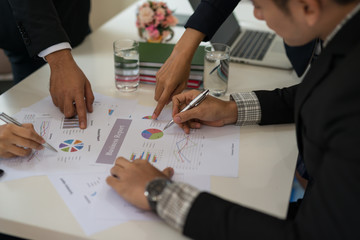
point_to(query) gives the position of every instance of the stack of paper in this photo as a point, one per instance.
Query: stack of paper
(153, 56)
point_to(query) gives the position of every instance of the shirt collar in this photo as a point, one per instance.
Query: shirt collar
(341, 24)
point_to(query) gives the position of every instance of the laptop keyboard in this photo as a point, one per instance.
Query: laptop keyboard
(253, 45)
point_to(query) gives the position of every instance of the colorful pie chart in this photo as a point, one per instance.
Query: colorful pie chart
(71, 145)
(152, 133)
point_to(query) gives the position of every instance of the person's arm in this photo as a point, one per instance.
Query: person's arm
(277, 106)
(39, 24)
(54, 48)
(69, 87)
(172, 77)
(19, 141)
(210, 15)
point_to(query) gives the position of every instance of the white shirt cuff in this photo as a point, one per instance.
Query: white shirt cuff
(54, 48)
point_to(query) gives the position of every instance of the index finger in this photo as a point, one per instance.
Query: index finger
(161, 103)
(89, 97)
(81, 111)
(183, 99)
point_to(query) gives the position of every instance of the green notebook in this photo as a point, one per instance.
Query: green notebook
(155, 54)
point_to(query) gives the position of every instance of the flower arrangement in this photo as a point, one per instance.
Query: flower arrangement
(154, 21)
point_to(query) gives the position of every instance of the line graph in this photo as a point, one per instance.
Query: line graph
(187, 151)
(183, 149)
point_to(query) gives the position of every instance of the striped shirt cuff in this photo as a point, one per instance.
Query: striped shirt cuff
(175, 203)
(249, 111)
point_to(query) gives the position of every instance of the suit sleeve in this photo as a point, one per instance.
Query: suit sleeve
(211, 217)
(38, 23)
(277, 106)
(209, 16)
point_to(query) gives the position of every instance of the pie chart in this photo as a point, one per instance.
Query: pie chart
(152, 133)
(71, 145)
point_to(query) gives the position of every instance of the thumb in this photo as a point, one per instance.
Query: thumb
(169, 172)
(185, 116)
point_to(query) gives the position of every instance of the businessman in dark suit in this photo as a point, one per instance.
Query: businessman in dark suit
(326, 110)
(171, 79)
(34, 31)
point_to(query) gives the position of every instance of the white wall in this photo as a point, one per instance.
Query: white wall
(103, 10)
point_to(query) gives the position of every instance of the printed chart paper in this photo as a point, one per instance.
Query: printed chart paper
(76, 147)
(96, 206)
(209, 150)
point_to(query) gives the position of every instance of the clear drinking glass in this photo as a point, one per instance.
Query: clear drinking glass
(126, 57)
(216, 68)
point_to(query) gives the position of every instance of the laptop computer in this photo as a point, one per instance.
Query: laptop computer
(250, 46)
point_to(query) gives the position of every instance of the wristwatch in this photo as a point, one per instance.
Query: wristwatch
(154, 190)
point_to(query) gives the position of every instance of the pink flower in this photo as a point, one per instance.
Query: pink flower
(152, 31)
(160, 13)
(146, 15)
(154, 18)
(170, 21)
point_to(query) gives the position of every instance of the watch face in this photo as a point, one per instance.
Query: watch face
(155, 188)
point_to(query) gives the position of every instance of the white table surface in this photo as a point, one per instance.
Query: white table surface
(32, 208)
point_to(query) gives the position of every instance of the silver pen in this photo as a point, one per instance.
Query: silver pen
(196, 101)
(7, 119)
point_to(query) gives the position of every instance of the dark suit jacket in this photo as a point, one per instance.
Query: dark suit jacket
(35, 25)
(327, 115)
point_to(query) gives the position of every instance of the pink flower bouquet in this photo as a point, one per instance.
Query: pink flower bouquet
(154, 21)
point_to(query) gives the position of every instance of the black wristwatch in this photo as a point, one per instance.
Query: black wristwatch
(154, 190)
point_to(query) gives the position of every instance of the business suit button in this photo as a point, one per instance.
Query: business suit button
(27, 41)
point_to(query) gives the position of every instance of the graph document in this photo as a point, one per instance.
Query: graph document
(118, 127)
(209, 150)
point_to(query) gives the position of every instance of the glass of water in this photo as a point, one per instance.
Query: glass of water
(126, 57)
(216, 68)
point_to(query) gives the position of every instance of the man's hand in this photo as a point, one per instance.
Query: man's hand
(129, 179)
(172, 77)
(212, 111)
(19, 141)
(69, 88)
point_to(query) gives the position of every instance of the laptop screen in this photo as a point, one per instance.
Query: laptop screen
(228, 31)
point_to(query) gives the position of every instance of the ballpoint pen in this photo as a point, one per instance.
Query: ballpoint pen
(7, 119)
(196, 101)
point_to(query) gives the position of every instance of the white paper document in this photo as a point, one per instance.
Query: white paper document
(113, 106)
(77, 148)
(96, 206)
(116, 128)
(209, 150)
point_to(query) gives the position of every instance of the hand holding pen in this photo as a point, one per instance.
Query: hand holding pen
(212, 111)
(195, 102)
(18, 139)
